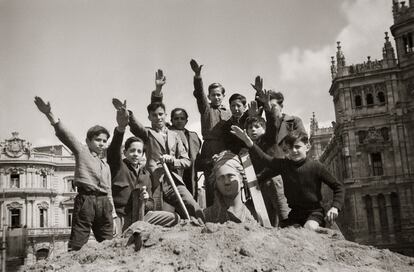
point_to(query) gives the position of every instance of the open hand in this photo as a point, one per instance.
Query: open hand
(253, 109)
(160, 80)
(195, 67)
(118, 104)
(167, 159)
(258, 85)
(331, 215)
(42, 106)
(122, 117)
(242, 135)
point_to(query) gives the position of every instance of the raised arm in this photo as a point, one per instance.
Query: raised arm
(114, 153)
(63, 134)
(135, 126)
(256, 152)
(160, 80)
(199, 94)
(258, 86)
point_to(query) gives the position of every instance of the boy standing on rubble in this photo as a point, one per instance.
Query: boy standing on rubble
(302, 180)
(93, 206)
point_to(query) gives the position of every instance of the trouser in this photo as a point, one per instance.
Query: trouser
(209, 187)
(192, 206)
(275, 200)
(161, 218)
(300, 216)
(90, 212)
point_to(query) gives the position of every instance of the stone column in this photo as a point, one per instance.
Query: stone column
(32, 178)
(390, 216)
(28, 177)
(377, 222)
(32, 214)
(2, 179)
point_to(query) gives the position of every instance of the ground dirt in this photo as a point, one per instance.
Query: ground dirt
(227, 247)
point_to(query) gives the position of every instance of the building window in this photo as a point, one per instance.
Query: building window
(362, 134)
(396, 214)
(385, 133)
(376, 164)
(370, 213)
(381, 97)
(358, 101)
(382, 208)
(44, 181)
(408, 43)
(14, 180)
(370, 99)
(70, 187)
(15, 218)
(69, 217)
(43, 218)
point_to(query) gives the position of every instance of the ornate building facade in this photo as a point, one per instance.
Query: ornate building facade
(37, 198)
(372, 148)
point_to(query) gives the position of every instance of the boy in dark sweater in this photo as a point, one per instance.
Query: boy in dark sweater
(302, 180)
(128, 175)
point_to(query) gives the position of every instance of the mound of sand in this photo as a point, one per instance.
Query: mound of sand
(227, 247)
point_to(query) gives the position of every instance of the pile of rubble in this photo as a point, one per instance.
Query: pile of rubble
(227, 247)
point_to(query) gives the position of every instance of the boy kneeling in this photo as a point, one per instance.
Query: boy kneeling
(302, 180)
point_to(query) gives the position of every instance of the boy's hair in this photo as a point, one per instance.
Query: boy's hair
(215, 86)
(278, 96)
(96, 131)
(237, 96)
(132, 140)
(154, 106)
(174, 111)
(294, 136)
(255, 119)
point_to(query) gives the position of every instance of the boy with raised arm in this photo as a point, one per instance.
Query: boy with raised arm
(190, 139)
(164, 145)
(93, 205)
(302, 179)
(213, 115)
(129, 175)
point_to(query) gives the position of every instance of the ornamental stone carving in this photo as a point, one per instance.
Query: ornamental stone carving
(43, 205)
(14, 170)
(15, 147)
(14, 205)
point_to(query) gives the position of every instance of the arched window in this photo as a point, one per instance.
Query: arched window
(358, 101)
(376, 164)
(385, 133)
(370, 99)
(362, 134)
(381, 97)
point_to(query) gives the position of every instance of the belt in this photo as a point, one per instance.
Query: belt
(93, 193)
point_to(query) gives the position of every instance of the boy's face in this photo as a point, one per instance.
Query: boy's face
(255, 131)
(228, 181)
(277, 104)
(215, 96)
(237, 108)
(298, 151)
(157, 118)
(179, 120)
(98, 143)
(135, 153)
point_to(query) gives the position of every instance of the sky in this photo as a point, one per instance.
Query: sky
(79, 54)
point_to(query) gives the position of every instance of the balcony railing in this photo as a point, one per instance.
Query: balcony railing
(48, 231)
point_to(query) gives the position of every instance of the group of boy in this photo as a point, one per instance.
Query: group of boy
(108, 190)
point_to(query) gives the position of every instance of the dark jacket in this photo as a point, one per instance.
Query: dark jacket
(125, 178)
